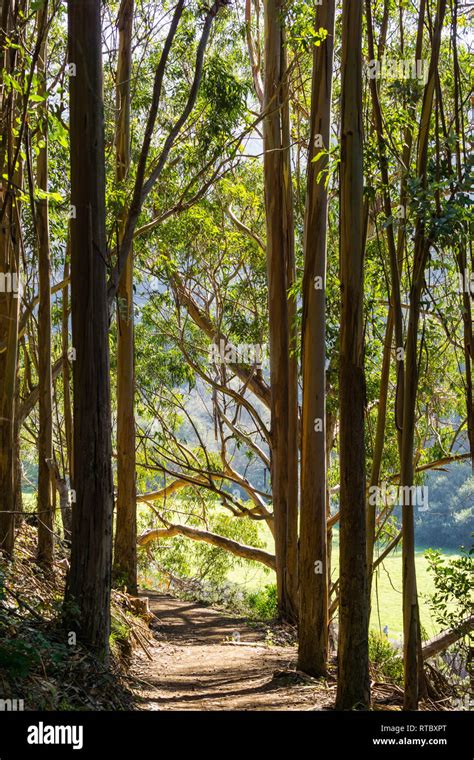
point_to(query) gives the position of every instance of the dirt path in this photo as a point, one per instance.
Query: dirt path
(204, 659)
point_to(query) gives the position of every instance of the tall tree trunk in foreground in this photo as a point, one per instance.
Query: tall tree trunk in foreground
(313, 567)
(9, 299)
(88, 588)
(279, 225)
(45, 380)
(125, 557)
(411, 631)
(9, 318)
(353, 689)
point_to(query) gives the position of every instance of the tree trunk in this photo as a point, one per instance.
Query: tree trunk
(88, 589)
(45, 380)
(314, 578)
(279, 235)
(411, 629)
(378, 447)
(353, 691)
(293, 442)
(125, 558)
(66, 370)
(468, 345)
(461, 256)
(9, 299)
(18, 472)
(9, 318)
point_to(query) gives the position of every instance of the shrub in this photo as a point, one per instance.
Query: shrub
(18, 657)
(385, 658)
(263, 603)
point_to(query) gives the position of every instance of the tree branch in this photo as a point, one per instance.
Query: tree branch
(240, 550)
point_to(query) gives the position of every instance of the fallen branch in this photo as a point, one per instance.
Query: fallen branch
(444, 640)
(240, 550)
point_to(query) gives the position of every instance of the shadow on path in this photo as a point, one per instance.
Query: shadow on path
(205, 659)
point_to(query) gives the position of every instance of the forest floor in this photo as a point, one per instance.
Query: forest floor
(206, 659)
(166, 653)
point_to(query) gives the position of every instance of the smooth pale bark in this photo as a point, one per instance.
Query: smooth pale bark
(353, 691)
(378, 445)
(62, 483)
(278, 224)
(66, 372)
(313, 615)
(293, 443)
(254, 51)
(125, 555)
(87, 601)
(45, 380)
(411, 623)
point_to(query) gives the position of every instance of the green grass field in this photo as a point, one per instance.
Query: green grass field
(386, 593)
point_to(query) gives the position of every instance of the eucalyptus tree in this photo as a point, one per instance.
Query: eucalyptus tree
(280, 257)
(125, 553)
(353, 658)
(45, 378)
(11, 165)
(314, 569)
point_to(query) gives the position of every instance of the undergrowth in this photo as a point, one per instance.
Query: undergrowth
(41, 663)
